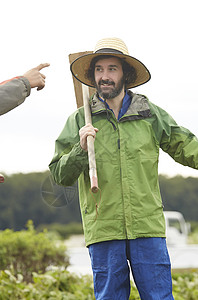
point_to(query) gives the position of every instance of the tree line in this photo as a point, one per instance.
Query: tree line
(34, 196)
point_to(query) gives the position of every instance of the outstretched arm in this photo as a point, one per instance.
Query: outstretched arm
(14, 91)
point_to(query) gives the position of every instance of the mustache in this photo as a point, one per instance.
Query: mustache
(106, 82)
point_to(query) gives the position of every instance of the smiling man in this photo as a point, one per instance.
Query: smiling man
(109, 79)
(124, 226)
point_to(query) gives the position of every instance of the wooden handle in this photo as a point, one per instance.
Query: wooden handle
(90, 142)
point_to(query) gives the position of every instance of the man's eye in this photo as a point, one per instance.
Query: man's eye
(98, 69)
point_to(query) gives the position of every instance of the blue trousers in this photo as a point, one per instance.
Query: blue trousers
(148, 260)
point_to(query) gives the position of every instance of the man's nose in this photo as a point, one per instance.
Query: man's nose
(105, 75)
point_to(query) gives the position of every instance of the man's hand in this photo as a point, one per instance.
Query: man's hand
(35, 78)
(84, 132)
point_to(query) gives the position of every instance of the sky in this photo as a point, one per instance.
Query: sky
(161, 34)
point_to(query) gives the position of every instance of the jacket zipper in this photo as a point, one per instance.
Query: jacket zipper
(119, 144)
(121, 182)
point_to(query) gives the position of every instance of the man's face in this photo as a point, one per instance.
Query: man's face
(109, 79)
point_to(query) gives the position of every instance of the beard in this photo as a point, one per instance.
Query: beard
(108, 89)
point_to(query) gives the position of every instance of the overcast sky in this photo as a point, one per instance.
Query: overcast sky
(162, 34)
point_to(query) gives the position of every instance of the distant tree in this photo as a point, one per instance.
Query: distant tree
(21, 199)
(30, 196)
(180, 194)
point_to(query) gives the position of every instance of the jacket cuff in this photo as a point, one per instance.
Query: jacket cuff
(26, 84)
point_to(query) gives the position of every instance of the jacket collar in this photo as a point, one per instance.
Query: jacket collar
(138, 109)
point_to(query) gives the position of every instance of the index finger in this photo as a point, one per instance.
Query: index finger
(41, 66)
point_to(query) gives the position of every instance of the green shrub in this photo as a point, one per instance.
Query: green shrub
(53, 285)
(64, 231)
(59, 284)
(185, 286)
(193, 226)
(193, 236)
(27, 251)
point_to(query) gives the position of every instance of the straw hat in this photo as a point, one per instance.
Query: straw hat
(109, 46)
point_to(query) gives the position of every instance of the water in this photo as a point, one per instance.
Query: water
(79, 256)
(79, 261)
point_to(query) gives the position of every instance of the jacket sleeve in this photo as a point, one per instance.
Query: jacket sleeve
(12, 93)
(69, 160)
(177, 141)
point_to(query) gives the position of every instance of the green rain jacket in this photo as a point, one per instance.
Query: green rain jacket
(127, 151)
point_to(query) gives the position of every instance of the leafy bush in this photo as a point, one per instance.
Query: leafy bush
(53, 285)
(193, 236)
(194, 226)
(63, 230)
(62, 285)
(26, 251)
(185, 286)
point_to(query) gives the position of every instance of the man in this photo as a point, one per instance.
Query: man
(125, 222)
(14, 91)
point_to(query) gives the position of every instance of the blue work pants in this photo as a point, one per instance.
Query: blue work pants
(148, 260)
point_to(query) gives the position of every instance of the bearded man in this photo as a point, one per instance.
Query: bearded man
(124, 227)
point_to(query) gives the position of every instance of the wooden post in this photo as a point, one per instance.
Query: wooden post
(78, 84)
(82, 93)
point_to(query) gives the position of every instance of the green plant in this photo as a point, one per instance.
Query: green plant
(63, 230)
(53, 285)
(185, 286)
(27, 251)
(59, 284)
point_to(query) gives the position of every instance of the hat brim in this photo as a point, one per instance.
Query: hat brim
(80, 66)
